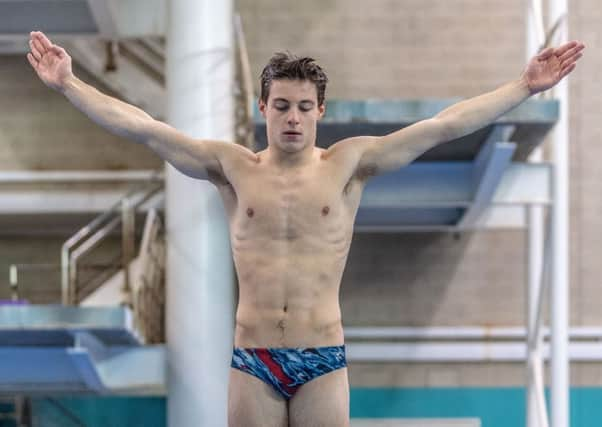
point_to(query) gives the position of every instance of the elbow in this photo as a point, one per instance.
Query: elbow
(145, 129)
(446, 128)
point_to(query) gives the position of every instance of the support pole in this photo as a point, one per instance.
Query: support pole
(536, 415)
(560, 240)
(200, 276)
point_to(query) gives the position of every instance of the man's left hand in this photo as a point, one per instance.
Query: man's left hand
(551, 65)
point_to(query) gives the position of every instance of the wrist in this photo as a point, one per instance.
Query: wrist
(523, 84)
(67, 83)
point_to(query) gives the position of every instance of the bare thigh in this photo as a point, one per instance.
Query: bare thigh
(253, 403)
(322, 402)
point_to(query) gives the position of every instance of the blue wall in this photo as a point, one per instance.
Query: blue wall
(496, 407)
(100, 412)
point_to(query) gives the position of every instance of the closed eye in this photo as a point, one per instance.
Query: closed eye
(281, 105)
(306, 106)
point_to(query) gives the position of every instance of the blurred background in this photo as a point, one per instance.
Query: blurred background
(453, 257)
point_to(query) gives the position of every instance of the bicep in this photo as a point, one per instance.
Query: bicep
(395, 150)
(202, 159)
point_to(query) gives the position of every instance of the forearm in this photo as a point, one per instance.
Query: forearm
(472, 114)
(112, 114)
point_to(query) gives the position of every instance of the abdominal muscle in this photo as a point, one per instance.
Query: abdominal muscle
(286, 304)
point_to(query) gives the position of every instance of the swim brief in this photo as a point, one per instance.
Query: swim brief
(287, 369)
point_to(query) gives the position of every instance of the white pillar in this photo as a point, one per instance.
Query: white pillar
(535, 239)
(200, 278)
(536, 406)
(560, 242)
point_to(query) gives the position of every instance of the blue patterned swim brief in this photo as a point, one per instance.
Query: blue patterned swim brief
(287, 369)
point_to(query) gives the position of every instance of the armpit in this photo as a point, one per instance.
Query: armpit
(217, 178)
(366, 171)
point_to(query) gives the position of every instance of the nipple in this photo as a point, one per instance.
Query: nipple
(325, 210)
(250, 212)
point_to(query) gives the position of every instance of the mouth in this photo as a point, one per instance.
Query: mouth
(291, 133)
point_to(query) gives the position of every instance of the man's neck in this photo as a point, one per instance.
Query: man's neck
(283, 159)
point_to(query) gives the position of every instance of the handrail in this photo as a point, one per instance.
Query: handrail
(88, 236)
(147, 291)
(246, 85)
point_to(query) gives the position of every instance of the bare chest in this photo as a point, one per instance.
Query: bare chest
(289, 207)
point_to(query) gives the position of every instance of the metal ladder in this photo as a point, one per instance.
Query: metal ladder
(119, 218)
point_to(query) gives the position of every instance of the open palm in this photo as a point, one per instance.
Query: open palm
(51, 62)
(551, 65)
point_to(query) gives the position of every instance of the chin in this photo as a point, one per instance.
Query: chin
(292, 147)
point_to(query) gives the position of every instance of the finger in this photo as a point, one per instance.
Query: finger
(32, 61)
(35, 51)
(32, 45)
(567, 70)
(546, 53)
(571, 52)
(44, 40)
(39, 47)
(570, 60)
(559, 51)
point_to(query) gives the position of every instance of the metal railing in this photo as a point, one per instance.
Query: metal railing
(245, 124)
(121, 214)
(148, 287)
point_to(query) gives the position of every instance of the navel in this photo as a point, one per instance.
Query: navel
(325, 210)
(250, 212)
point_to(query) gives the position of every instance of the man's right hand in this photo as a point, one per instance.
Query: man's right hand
(51, 62)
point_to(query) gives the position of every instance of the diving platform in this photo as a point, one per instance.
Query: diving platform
(58, 349)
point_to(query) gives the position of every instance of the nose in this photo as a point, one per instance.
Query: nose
(293, 117)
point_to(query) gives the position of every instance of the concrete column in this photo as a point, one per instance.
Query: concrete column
(200, 278)
(535, 36)
(559, 316)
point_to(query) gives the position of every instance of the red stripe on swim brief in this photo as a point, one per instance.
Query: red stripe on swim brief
(275, 368)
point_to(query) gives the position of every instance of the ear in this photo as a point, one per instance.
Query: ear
(262, 107)
(321, 110)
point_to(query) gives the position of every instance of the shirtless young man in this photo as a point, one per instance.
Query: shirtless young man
(291, 210)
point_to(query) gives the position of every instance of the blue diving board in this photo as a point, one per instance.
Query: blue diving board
(57, 349)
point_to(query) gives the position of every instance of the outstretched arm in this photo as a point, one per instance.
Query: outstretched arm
(390, 152)
(196, 158)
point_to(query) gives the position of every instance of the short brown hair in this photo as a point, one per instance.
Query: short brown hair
(285, 65)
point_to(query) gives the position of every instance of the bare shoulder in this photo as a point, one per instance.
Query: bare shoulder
(197, 158)
(347, 154)
(234, 161)
(235, 154)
